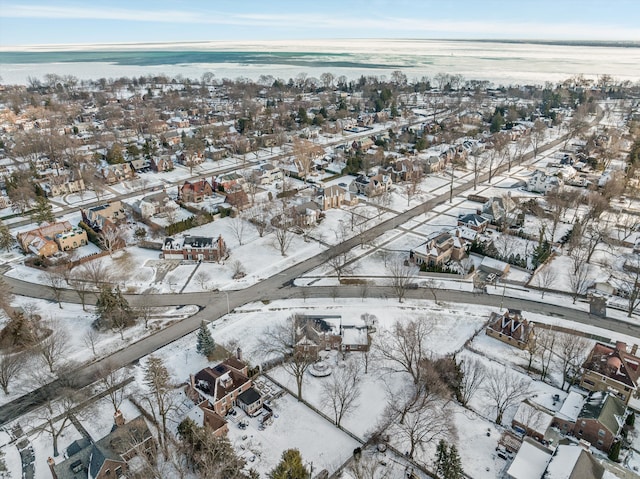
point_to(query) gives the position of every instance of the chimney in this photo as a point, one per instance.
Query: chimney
(621, 346)
(586, 445)
(52, 463)
(239, 354)
(634, 349)
(118, 418)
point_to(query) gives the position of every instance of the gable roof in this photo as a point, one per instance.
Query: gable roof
(614, 363)
(573, 462)
(605, 408)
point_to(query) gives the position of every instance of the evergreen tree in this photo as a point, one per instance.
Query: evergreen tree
(442, 458)
(454, 469)
(290, 467)
(6, 240)
(631, 419)
(614, 452)
(42, 211)
(206, 344)
(113, 310)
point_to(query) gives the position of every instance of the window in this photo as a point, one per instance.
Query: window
(580, 432)
(583, 423)
(118, 471)
(600, 443)
(601, 433)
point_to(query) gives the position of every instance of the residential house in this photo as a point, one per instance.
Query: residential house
(601, 419)
(117, 173)
(362, 144)
(215, 154)
(63, 185)
(228, 180)
(565, 418)
(154, 204)
(572, 461)
(474, 221)
(110, 457)
(104, 216)
(532, 420)
(511, 328)
(236, 196)
(612, 369)
(433, 164)
(531, 461)
(326, 332)
(217, 390)
(334, 197)
(540, 182)
(499, 210)
(306, 214)
(140, 165)
(442, 247)
(404, 170)
(161, 163)
(266, 174)
(195, 248)
(47, 240)
(191, 160)
(195, 192)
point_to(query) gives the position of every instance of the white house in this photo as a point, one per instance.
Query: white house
(541, 182)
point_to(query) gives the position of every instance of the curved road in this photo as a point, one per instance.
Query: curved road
(214, 305)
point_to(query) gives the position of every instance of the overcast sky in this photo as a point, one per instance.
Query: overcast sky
(85, 21)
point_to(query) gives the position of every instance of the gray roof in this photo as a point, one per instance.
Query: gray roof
(605, 408)
(249, 396)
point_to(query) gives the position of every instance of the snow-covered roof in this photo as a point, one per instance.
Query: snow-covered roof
(571, 407)
(563, 462)
(530, 462)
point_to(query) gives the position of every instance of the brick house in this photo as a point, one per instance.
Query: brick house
(475, 222)
(195, 192)
(161, 163)
(217, 390)
(600, 420)
(334, 197)
(443, 246)
(118, 173)
(511, 328)
(612, 369)
(196, 248)
(104, 216)
(110, 457)
(318, 333)
(47, 240)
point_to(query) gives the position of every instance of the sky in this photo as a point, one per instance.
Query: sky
(45, 22)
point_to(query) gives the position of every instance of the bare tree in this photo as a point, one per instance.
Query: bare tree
(283, 232)
(281, 341)
(10, 367)
(54, 347)
(545, 278)
(57, 413)
(160, 397)
(572, 351)
(546, 340)
(304, 153)
(368, 467)
(340, 264)
(473, 374)
(111, 239)
(238, 270)
(113, 381)
(537, 136)
(90, 340)
(505, 390)
(579, 281)
(631, 287)
(97, 272)
(402, 274)
(403, 347)
(341, 390)
(80, 285)
(202, 278)
(55, 282)
(477, 165)
(432, 285)
(237, 226)
(258, 216)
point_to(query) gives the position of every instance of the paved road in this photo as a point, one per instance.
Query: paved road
(214, 305)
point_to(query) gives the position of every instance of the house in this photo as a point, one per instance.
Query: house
(215, 154)
(378, 184)
(565, 418)
(532, 420)
(195, 248)
(117, 173)
(266, 174)
(404, 170)
(540, 182)
(191, 160)
(306, 214)
(334, 197)
(574, 462)
(112, 456)
(237, 197)
(601, 419)
(47, 240)
(433, 164)
(326, 332)
(442, 247)
(228, 180)
(195, 192)
(511, 328)
(104, 217)
(63, 185)
(161, 163)
(499, 209)
(154, 204)
(531, 461)
(217, 390)
(474, 221)
(612, 369)
(141, 164)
